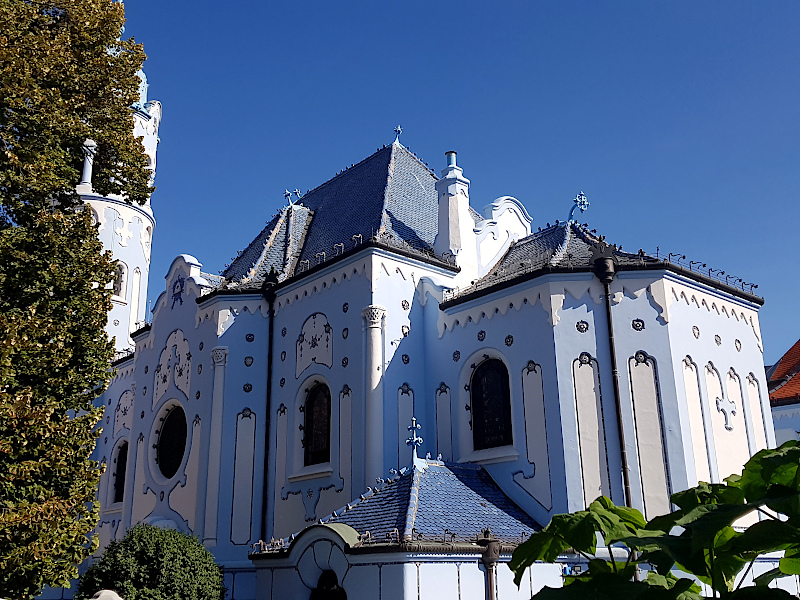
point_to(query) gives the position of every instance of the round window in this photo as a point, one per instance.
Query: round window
(171, 442)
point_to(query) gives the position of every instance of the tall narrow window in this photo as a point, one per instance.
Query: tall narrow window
(317, 427)
(119, 472)
(490, 402)
(119, 279)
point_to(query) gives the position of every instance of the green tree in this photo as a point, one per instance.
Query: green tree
(64, 77)
(664, 558)
(150, 563)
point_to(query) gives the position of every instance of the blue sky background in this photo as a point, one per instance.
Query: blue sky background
(679, 120)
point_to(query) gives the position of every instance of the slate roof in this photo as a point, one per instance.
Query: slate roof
(568, 246)
(437, 502)
(390, 194)
(784, 378)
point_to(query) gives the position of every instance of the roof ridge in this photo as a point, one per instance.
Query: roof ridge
(413, 504)
(251, 272)
(562, 247)
(387, 189)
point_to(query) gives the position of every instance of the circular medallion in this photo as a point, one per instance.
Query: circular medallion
(345, 307)
(283, 355)
(585, 358)
(345, 333)
(197, 395)
(146, 368)
(248, 361)
(696, 331)
(247, 387)
(406, 359)
(509, 340)
(405, 304)
(345, 361)
(201, 345)
(481, 335)
(116, 322)
(456, 356)
(249, 337)
(738, 345)
(283, 332)
(406, 330)
(718, 340)
(283, 381)
(582, 326)
(640, 357)
(637, 324)
(199, 369)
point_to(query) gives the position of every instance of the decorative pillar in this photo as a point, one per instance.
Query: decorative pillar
(220, 357)
(373, 318)
(89, 148)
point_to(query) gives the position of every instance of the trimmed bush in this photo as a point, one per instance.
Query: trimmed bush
(151, 563)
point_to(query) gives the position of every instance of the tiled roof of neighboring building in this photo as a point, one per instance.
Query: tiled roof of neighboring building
(784, 378)
(389, 195)
(438, 502)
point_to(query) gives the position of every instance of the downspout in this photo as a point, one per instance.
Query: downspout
(489, 557)
(605, 270)
(268, 289)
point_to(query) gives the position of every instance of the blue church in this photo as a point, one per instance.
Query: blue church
(388, 390)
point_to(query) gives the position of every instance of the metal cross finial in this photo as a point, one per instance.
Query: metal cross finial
(288, 195)
(397, 131)
(297, 193)
(580, 202)
(414, 440)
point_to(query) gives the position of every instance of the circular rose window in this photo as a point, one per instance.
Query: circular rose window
(171, 442)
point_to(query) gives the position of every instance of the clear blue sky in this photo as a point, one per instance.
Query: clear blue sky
(679, 120)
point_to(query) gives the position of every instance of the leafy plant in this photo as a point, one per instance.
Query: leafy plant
(668, 555)
(151, 563)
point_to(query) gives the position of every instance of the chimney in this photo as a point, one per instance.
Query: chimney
(456, 226)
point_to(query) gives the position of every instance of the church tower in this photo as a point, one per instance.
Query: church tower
(126, 229)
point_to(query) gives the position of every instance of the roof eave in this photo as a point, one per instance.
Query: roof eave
(656, 266)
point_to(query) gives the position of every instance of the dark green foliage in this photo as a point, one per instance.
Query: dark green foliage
(150, 563)
(54, 356)
(65, 76)
(698, 539)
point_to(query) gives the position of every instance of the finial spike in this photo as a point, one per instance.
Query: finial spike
(397, 131)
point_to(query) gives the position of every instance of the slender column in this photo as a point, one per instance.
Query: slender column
(89, 147)
(220, 357)
(373, 318)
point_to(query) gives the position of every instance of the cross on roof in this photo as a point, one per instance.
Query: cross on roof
(414, 440)
(397, 131)
(580, 202)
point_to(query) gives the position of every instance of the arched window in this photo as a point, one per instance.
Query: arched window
(119, 279)
(490, 402)
(119, 472)
(317, 426)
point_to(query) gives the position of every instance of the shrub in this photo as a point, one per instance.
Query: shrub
(151, 563)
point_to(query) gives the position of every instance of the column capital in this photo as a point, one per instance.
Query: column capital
(373, 315)
(219, 355)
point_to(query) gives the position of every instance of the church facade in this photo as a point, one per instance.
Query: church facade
(387, 391)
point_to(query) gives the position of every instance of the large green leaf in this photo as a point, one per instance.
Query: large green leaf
(575, 530)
